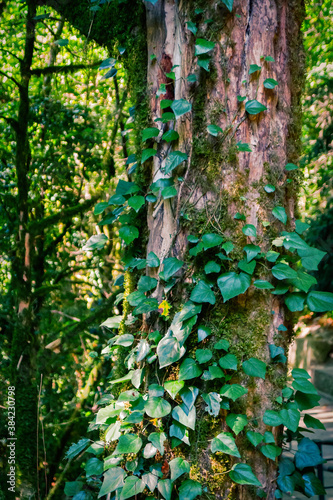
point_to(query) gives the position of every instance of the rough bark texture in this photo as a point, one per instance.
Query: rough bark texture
(220, 181)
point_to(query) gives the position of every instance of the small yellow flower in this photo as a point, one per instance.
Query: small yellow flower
(165, 306)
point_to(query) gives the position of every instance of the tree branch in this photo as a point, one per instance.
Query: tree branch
(69, 68)
(67, 213)
(11, 78)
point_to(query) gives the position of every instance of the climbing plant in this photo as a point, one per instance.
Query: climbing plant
(178, 379)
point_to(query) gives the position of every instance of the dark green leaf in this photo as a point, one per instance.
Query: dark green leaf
(244, 147)
(228, 362)
(212, 267)
(157, 407)
(186, 418)
(263, 285)
(164, 486)
(153, 260)
(312, 485)
(173, 387)
(189, 490)
(271, 451)
(128, 234)
(270, 83)
(214, 130)
(255, 438)
(232, 284)
(280, 214)
(128, 443)
(254, 68)
(178, 467)
(169, 192)
(247, 267)
(170, 135)
(180, 107)
(269, 188)
(272, 418)
(308, 454)
(225, 443)
(254, 368)
(228, 4)
(189, 369)
(242, 474)
(254, 107)
(173, 160)
(203, 332)
(203, 46)
(113, 479)
(146, 283)
(171, 266)
(146, 306)
(132, 487)
(96, 242)
(211, 240)
(236, 422)
(295, 301)
(305, 386)
(192, 27)
(202, 293)
(213, 400)
(249, 230)
(282, 271)
(320, 301)
(148, 133)
(290, 418)
(75, 449)
(290, 166)
(147, 153)
(233, 391)
(313, 423)
(203, 355)
(168, 351)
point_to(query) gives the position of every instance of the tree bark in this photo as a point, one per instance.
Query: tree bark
(219, 181)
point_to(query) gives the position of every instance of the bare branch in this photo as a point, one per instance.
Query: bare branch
(69, 68)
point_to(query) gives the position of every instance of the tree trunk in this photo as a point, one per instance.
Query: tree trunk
(220, 181)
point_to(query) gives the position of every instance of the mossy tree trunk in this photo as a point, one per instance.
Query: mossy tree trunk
(220, 181)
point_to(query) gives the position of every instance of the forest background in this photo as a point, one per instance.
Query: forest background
(79, 138)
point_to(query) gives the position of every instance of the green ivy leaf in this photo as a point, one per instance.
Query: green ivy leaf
(222, 344)
(157, 408)
(178, 467)
(271, 451)
(247, 267)
(128, 443)
(147, 153)
(320, 301)
(189, 395)
(232, 284)
(128, 234)
(269, 188)
(249, 230)
(168, 351)
(272, 418)
(270, 83)
(313, 423)
(173, 387)
(225, 443)
(173, 160)
(189, 490)
(254, 368)
(295, 301)
(211, 240)
(254, 68)
(171, 266)
(164, 486)
(153, 260)
(113, 479)
(133, 485)
(76, 448)
(136, 202)
(254, 107)
(212, 267)
(263, 285)
(244, 147)
(214, 130)
(189, 369)
(236, 422)
(303, 385)
(291, 166)
(282, 271)
(242, 474)
(180, 432)
(192, 27)
(303, 281)
(146, 306)
(228, 4)
(203, 355)
(203, 46)
(169, 192)
(183, 417)
(308, 454)
(228, 362)
(280, 214)
(203, 332)
(301, 226)
(170, 135)
(312, 485)
(96, 242)
(233, 391)
(255, 438)
(148, 133)
(202, 293)
(146, 283)
(290, 418)
(213, 401)
(180, 107)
